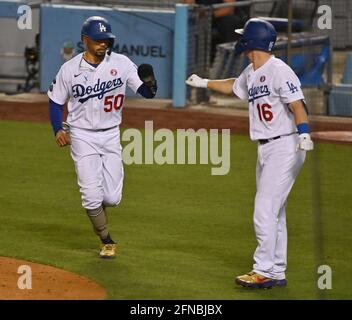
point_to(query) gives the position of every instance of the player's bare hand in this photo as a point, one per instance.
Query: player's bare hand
(196, 81)
(305, 142)
(62, 138)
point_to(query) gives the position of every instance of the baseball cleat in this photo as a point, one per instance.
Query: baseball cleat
(281, 283)
(255, 280)
(108, 251)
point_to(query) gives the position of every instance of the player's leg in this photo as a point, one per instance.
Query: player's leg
(89, 167)
(280, 260)
(277, 276)
(253, 279)
(113, 172)
(280, 169)
(112, 181)
(265, 225)
(89, 178)
(259, 169)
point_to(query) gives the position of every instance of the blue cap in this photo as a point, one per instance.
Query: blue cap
(256, 34)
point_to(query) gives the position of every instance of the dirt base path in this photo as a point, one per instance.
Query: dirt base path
(48, 283)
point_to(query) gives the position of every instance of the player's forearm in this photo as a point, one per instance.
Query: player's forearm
(301, 118)
(223, 86)
(55, 112)
(299, 112)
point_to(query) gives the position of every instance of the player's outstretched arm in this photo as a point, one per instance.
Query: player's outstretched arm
(301, 119)
(223, 86)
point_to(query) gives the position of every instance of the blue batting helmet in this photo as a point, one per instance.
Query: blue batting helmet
(98, 28)
(256, 34)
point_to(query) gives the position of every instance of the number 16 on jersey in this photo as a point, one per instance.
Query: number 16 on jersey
(264, 112)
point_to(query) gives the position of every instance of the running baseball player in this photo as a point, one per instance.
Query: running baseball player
(94, 84)
(279, 123)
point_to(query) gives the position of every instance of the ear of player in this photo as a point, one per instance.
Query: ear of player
(146, 74)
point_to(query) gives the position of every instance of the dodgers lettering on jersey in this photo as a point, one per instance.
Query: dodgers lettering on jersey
(98, 90)
(269, 90)
(95, 95)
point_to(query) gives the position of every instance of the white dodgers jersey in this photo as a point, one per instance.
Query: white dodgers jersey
(95, 95)
(269, 90)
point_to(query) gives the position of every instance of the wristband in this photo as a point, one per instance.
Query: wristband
(303, 128)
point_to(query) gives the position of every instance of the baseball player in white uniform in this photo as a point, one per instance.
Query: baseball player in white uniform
(279, 122)
(94, 84)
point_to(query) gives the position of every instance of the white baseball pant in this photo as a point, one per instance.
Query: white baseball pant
(97, 156)
(278, 165)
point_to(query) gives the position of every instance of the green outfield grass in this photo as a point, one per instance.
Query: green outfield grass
(183, 234)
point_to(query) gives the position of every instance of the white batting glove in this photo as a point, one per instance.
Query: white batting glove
(305, 142)
(196, 81)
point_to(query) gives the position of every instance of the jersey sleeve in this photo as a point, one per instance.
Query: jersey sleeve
(58, 90)
(288, 86)
(240, 87)
(133, 80)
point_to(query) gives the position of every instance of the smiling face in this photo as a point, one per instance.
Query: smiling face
(96, 48)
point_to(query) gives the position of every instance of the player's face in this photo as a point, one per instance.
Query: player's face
(248, 54)
(97, 48)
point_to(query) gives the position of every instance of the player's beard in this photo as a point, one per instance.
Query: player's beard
(100, 53)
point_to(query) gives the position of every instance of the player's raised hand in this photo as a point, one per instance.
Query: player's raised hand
(305, 142)
(196, 81)
(62, 138)
(146, 74)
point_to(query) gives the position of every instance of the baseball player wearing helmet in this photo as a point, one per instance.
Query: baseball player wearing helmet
(94, 84)
(279, 123)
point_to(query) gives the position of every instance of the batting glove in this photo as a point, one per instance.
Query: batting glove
(305, 142)
(196, 81)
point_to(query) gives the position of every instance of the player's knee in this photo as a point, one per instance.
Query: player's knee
(90, 205)
(112, 200)
(91, 199)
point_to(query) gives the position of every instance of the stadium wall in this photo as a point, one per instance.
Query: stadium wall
(145, 36)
